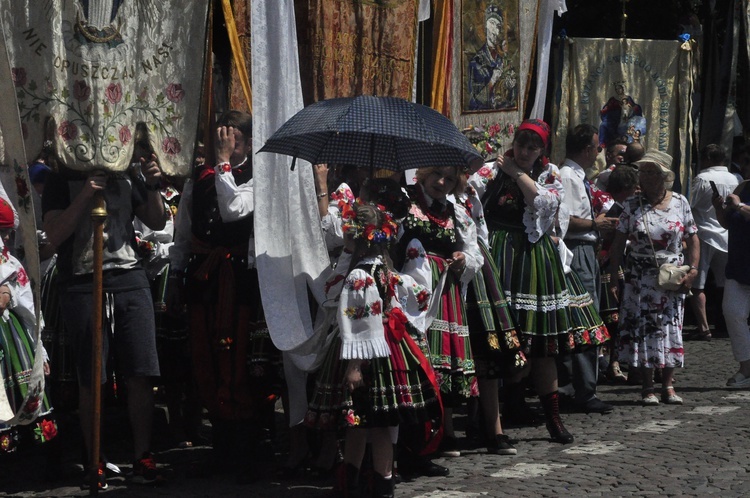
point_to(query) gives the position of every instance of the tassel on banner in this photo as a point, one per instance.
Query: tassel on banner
(239, 58)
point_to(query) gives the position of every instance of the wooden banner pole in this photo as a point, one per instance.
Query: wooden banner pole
(98, 217)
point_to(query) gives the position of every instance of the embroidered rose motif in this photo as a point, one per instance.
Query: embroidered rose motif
(81, 91)
(32, 404)
(174, 92)
(125, 135)
(22, 277)
(67, 130)
(351, 418)
(18, 74)
(6, 443)
(358, 284)
(415, 211)
(412, 253)
(171, 146)
(21, 187)
(375, 308)
(48, 429)
(113, 93)
(484, 172)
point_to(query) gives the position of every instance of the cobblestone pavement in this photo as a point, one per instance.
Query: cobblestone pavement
(697, 449)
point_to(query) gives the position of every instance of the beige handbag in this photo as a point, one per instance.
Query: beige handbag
(670, 275)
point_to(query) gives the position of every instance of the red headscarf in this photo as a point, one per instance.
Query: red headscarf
(540, 128)
(6, 214)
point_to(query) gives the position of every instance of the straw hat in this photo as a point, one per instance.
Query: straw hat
(660, 159)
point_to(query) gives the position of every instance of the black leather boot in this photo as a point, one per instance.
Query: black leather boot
(351, 486)
(382, 487)
(557, 431)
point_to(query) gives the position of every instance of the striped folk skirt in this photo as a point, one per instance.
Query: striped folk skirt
(534, 282)
(17, 350)
(494, 341)
(398, 389)
(588, 327)
(448, 338)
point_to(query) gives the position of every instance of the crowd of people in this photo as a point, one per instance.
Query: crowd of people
(459, 289)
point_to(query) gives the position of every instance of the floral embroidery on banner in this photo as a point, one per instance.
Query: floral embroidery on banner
(90, 140)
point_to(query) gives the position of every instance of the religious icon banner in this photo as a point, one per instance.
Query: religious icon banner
(99, 67)
(363, 47)
(493, 51)
(632, 90)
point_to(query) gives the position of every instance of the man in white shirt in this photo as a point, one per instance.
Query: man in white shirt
(582, 238)
(713, 160)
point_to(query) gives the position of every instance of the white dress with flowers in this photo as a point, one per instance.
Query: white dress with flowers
(376, 313)
(651, 318)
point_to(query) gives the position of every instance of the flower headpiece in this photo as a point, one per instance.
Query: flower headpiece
(372, 234)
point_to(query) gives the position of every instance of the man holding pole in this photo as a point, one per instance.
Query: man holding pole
(129, 328)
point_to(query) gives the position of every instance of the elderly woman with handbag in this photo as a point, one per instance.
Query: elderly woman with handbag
(658, 275)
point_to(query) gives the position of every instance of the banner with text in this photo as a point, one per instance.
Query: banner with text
(96, 68)
(633, 90)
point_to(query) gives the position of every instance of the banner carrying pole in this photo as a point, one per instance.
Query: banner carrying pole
(98, 216)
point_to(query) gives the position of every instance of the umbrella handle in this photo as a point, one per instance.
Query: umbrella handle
(294, 162)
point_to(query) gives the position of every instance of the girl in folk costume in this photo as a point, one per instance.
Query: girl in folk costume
(373, 376)
(448, 235)
(521, 196)
(22, 403)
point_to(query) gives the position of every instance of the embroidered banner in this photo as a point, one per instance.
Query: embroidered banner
(97, 67)
(359, 47)
(493, 51)
(15, 181)
(638, 90)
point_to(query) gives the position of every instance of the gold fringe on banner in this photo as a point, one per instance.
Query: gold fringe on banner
(441, 55)
(239, 59)
(207, 103)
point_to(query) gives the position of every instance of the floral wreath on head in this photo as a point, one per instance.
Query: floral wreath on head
(372, 234)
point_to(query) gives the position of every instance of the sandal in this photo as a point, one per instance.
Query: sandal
(669, 397)
(648, 398)
(615, 375)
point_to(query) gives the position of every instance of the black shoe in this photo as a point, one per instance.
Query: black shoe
(595, 405)
(501, 445)
(558, 432)
(422, 466)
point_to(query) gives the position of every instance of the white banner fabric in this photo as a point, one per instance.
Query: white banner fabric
(98, 67)
(289, 247)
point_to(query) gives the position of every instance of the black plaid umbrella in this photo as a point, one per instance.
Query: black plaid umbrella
(374, 132)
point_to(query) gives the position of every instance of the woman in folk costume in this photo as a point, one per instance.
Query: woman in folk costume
(234, 362)
(521, 196)
(492, 332)
(374, 376)
(23, 403)
(448, 235)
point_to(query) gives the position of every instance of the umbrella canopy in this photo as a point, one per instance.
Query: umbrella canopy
(374, 132)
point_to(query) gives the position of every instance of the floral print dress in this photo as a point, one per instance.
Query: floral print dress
(651, 318)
